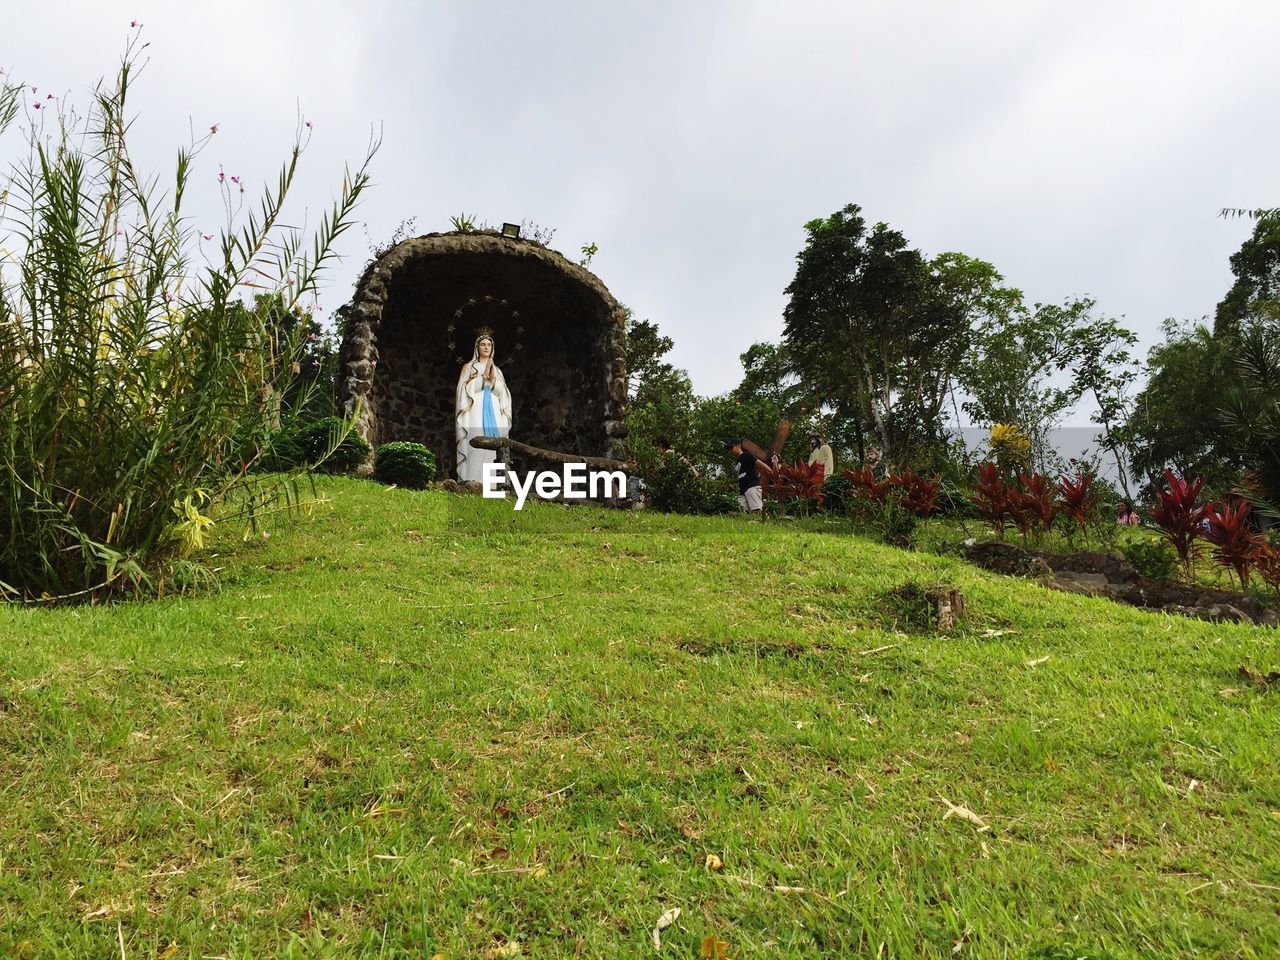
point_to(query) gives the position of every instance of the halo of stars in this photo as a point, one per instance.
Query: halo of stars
(459, 317)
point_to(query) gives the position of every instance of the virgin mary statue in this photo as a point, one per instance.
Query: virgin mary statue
(483, 409)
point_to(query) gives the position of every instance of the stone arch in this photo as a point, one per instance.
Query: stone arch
(560, 341)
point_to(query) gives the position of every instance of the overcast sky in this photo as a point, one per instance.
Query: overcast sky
(1083, 147)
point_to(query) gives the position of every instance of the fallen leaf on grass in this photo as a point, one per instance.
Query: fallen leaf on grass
(713, 948)
(1037, 661)
(96, 914)
(1259, 679)
(511, 948)
(664, 921)
(1226, 692)
(989, 634)
(167, 952)
(713, 862)
(963, 813)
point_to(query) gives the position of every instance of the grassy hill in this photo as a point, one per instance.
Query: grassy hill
(414, 724)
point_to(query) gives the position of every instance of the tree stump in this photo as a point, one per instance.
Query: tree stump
(948, 606)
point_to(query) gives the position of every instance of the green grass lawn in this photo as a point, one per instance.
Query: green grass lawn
(411, 725)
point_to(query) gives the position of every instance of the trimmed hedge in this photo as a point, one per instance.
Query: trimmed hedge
(404, 464)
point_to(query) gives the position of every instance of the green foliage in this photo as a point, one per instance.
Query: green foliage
(720, 502)
(1008, 374)
(1251, 414)
(138, 390)
(1097, 353)
(467, 223)
(886, 520)
(1174, 422)
(661, 396)
(1152, 558)
(282, 452)
(1256, 268)
(837, 494)
(674, 486)
(404, 464)
(332, 446)
(309, 392)
(880, 332)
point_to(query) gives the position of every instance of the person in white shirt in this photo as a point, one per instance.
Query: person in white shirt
(822, 455)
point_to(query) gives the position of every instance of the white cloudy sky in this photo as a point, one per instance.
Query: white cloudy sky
(1082, 147)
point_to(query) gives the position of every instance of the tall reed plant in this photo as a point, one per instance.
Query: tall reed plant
(135, 388)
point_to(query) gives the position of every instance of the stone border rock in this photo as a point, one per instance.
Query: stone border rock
(1106, 575)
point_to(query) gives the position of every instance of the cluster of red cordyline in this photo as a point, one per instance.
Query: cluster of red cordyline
(795, 483)
(1185, 520)
(915, 493)
(1032, 501)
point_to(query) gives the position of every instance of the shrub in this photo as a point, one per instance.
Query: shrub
(1080, 496)
(675, 487)
(917, 494)
(1180, 515)
(991, 498)
(330, 445)
(281, 452)
(137, 389)
(1151, 558)
(404, 464)
(1035, 505)
(1010, 447)
(865, 482)
(719, 502)
(1236, 545)
(837, 492)
(895, 524)
(1267, 563)
(796, 483)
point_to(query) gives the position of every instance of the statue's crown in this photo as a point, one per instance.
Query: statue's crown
(484, 332)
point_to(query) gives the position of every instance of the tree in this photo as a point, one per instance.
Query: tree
(1098, 353)
(1174, 418)
(963, 293)
(1252, 410)
(1007, 373)
(661, 395)
(1256, 267)
(767, 373)
(852, 315)
(645, 349)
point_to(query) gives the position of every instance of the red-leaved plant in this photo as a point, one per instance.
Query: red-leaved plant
(1235, 543)
(792, 482)
(918, 494)
(1267, 562)
(1035, 504)
(991, 497)
(1079, 496)
(1180, 516)
(864, 480)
